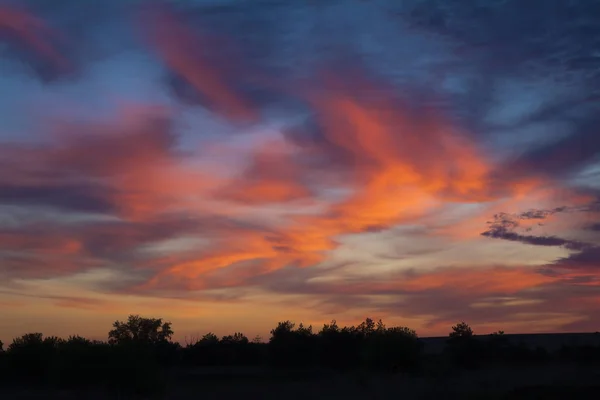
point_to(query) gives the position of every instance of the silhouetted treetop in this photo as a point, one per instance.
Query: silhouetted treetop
(209, 339)
(27, 340)
(284, 328)
(461, 330)
(76, 340)
(367, 327)
(257, 339)
(139, 329)
(236, 338)
(330, 328)
(33, 359)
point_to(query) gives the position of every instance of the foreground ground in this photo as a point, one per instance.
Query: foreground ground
(545, 382)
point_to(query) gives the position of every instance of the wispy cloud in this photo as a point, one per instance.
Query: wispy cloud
(504, 225)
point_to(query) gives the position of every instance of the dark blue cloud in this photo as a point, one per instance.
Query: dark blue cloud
(562, 158)
(586, 260)
(505, 226)
(70, 197)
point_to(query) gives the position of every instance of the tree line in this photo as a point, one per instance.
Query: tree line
(139, 353)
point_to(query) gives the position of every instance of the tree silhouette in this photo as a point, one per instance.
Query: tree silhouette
(289, 346)
(209, 339)
(28, 340)
(257, 339)
(139, 356)
(76, 340)
(204, 351)
(32, 356)
(461, 330)
(339, 347)
(392, 348)
(237, 338)
(462, 346)
(367, 327)
(283, 330)
(141, 330)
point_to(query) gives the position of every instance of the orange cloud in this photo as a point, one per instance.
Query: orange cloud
(130, 164)
(403, 165)
(389, 165)
(184, 52)
(479, 281)
(41, 244)
(473, 282)
(271, 177)
(397, 167)
(393, 166)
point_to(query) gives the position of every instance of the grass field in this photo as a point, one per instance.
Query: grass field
(554, 381)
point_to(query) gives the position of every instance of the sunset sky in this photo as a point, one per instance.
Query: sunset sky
(226, 165)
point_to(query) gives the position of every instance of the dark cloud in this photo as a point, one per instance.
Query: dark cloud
(482, 26)
(556, 51)
(504, 225)
(586, 259)
(536, 240)
(74, 197)
(541, 214)
(563, 157)
(119, 240)
(594, 227)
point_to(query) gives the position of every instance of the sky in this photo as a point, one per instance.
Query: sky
(226, 165)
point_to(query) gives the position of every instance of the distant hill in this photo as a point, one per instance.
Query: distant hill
(548, 341)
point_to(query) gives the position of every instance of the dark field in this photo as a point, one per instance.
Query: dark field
(553, 381)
